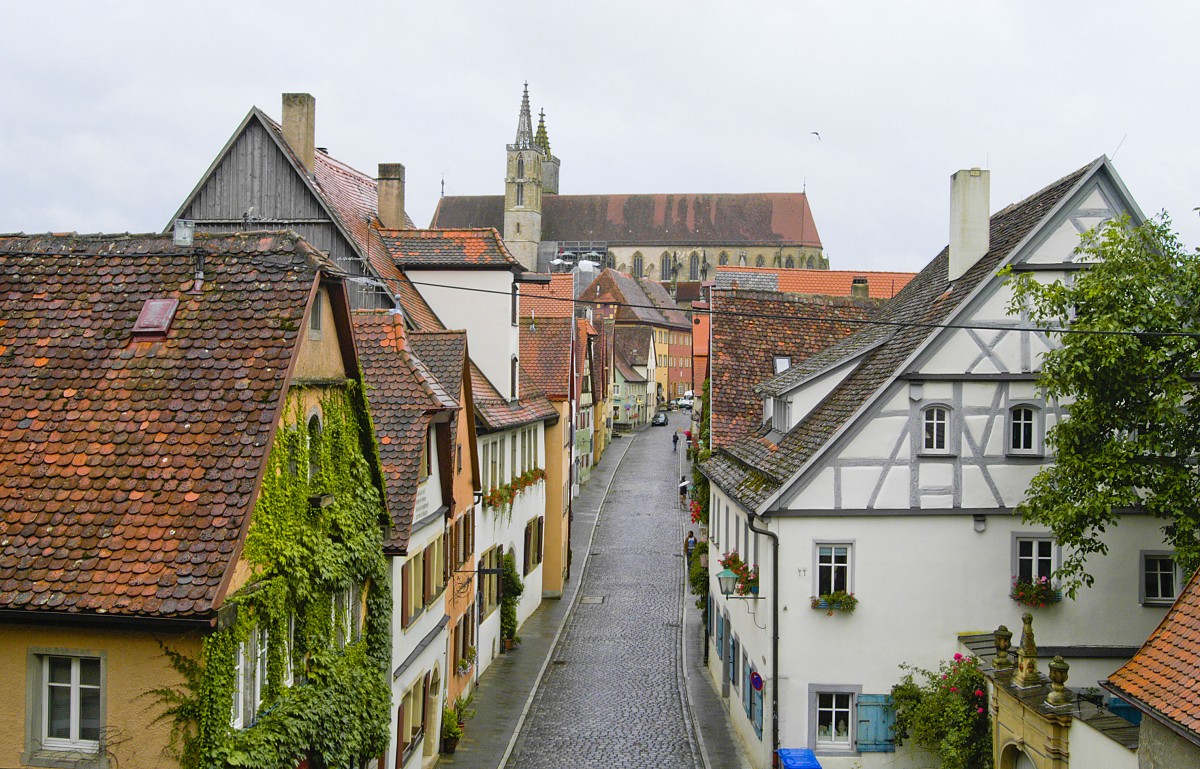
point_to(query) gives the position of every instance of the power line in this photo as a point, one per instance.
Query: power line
(848, 321)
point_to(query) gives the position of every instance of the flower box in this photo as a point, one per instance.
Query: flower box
(836, 601)
(1038, 593)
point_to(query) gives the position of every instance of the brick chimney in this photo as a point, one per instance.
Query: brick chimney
(859, 288)
(391, 196)
(969, 219)
(300, 126)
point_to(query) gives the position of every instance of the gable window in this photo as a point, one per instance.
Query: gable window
(1160, 578)
(66, 711)
(1024, 430)
(1033, 557)
(833, 567)
(935, 429)
(314, 318)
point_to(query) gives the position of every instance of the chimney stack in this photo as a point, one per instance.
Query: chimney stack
(859, 288)
(300, 126)
(969, 219)
(391, 196)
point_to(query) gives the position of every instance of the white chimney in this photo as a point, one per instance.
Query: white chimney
(300, 126)
(969, 219)
(391, 196)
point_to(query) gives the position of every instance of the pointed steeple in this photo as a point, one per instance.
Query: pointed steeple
(524, 123)
(541, 139)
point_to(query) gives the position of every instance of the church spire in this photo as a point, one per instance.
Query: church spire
(541, 139)
(524, 123)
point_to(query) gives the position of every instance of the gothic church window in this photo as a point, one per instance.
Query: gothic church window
(759, 261)
(790, 262)
(694, 266)
(520, 167)
(637, 264)
(665, 263)
(723, 258)
(520, 194)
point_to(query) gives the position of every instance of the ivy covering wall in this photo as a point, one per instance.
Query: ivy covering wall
(336, 710)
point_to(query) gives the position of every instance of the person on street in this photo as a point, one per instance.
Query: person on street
(689, 544)
(675, 442)
(683, 484)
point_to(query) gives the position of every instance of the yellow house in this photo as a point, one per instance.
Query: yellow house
(186, 476)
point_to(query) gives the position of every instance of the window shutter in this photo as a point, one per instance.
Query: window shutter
(876, 723)
(427, 582)
(720, 638)
(540, 535)
(528, 532)
(758, 712)
(405, 598)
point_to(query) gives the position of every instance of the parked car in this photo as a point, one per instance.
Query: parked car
(659, 419)
(686, 402)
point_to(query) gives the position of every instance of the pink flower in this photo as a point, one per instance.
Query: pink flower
(979, 692)
(953, 688)
(943, 675)
(979, 710)
(957, 656)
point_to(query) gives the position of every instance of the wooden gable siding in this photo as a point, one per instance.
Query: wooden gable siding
(254, 172)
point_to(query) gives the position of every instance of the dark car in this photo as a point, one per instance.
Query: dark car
(659, 419)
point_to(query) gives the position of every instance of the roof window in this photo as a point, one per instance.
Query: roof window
(155, 317)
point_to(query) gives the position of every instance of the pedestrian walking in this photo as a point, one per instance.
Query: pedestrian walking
(675, 442)
(683, 484)
(689, 544)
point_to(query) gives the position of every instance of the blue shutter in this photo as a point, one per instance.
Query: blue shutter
(720, 638)
(747, 689)
(758, 712)
(733, 661)
(876, 724)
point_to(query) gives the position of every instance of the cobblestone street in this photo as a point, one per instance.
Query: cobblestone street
(613, 693)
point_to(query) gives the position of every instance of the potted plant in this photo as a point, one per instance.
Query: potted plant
(1035, 592)
(838, 600)
(511, 589)
(451, 730)
(463, 712)
(466, 661)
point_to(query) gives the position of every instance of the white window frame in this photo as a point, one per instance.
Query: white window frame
(1055, 556)
(1143, 597)
(1036, 430)
(930, 410)
(781, 413)
(38, 710)
(831, 746)
(818, 545)
(782, 363)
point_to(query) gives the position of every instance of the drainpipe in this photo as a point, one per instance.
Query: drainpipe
(752, 518)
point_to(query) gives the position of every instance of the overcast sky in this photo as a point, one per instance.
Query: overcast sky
(111, 111)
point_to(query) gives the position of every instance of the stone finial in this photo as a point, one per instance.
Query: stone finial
(1058, 677)
(1003, 640)
(1027, 655)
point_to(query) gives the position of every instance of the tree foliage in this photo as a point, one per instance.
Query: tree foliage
(1131, 440)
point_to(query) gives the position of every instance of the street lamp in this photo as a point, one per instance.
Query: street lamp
(726, 579)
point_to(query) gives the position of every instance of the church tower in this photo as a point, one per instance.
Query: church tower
(523, 188)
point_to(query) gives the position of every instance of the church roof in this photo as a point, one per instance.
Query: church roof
(779, 218)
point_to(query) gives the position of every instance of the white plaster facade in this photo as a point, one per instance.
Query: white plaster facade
(929, 533)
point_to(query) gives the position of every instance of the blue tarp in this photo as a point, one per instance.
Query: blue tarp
(798, 758)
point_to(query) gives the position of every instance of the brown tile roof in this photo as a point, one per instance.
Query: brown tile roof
(1163, 678)
(546, 354)
(448, 249)
(698, 220)
(639, 301)
(556, 300)
(495, 412)
(688, 291)
(443, 352)
(753, 468)
(750, 329)
(128, 469)
(402, 393)
(635, 343)
(880, 285)
(626, 369)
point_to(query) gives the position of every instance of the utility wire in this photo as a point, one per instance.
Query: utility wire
(818, 319)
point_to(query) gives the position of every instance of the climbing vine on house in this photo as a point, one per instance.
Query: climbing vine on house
(315, 541)
(500, 498)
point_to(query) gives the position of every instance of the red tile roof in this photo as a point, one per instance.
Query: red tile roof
(1164, 676)
(638, 301)
(495, 412)
(880, 285)
(670, 219)
(402, 394)
(635, 343)
(448, 249)
(128, 469)
(556, 300)
(749, 330)
(546, 354)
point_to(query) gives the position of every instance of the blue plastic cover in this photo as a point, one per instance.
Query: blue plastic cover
(798, 758)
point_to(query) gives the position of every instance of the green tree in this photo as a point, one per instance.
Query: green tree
(944, 711)
(1126, 374)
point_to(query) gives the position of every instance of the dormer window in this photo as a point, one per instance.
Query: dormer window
(155, 318)
(314, 318)
(781, 412)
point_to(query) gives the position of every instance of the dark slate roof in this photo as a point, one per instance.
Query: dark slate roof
(662, 300)
(634, 304)
(546, 354)
(751, 328)
(635, 343)
(448, 249)
(668, 219)
(129, 468)
(753, 468)
(1163, 678)
(626, 368)
(402, 393)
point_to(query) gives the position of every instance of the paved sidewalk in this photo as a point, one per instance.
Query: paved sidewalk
(505, 689)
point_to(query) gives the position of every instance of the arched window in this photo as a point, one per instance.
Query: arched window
(759, 261)
(694, 266)
(520, 194)
(520, 166)
(314, 445)
(1024, 429)
(665, 262)
(812, 263)
(723, 258)
(790, 262)
(935, 430)
(637, 264)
